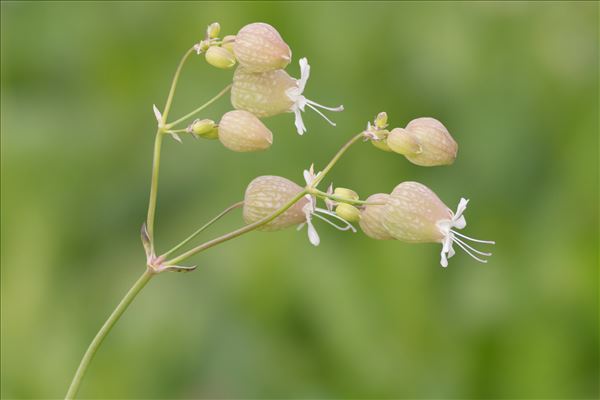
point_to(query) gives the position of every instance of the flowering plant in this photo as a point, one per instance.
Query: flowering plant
(260, 88)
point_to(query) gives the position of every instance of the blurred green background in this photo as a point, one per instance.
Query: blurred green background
(268, 315)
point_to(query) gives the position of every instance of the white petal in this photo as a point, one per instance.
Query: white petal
(443, 259)
(313, 236)
(459, 222)
(304, 74)
(300, 128)
(462, 206)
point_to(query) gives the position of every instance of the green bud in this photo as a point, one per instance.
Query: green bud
(220, 57)
(213, 30)
(228, 42)
(345, 193)
(381, 120)
(403, 142)
(205, 128)
(348, 212)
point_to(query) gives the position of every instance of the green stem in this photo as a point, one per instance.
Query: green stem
(236, 233)
(157, 147)
(335, 159)
(197, 232)
(110, 322)
(169, 102)
(154, 187)
(344, 199)
(202, 107)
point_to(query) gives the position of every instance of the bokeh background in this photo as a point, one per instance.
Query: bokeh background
(268, 315)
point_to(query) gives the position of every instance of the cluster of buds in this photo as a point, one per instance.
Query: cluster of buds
(411, 213)
(261, 87)
(424, 141)
(217, 52)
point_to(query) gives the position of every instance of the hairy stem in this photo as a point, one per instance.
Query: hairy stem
(237, 232)
(110, 322)
(202, 107)
(197, 232)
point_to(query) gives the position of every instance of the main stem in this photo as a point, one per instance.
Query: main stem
(157, 147)
(110, 322)
(154, 187)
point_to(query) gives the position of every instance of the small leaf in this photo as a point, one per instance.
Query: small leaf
(146, 242)
(157, 114)
(176, 137)
(177, 268)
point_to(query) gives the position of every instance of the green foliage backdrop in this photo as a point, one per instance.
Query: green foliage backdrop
(268, 315)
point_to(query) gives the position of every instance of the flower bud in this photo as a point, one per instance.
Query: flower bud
(437, 146)
(345, 193)
(348, 212)
(267, 194)
(205, 128)
(259, 48)
(413, 212)
(219, 57)
(213, 30)
(381, 120)
(262, 94)
(241, 131)
(372, 216)
(228, 42)
(403, 142)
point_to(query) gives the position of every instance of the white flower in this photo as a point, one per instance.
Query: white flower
(451, 236)
(310, 209)
(300, 102)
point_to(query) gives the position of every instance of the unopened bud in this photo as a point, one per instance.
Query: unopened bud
(413, 212)
(259, 48)
(348, 212)
(372, 217)
(205, 128)
(403, 142)
(267, 194)
(213, 30)
(242, 131)
(437, 146)
(345, 193)
(381, 120)
(228, 42)
(262, 94)
(220, 57)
